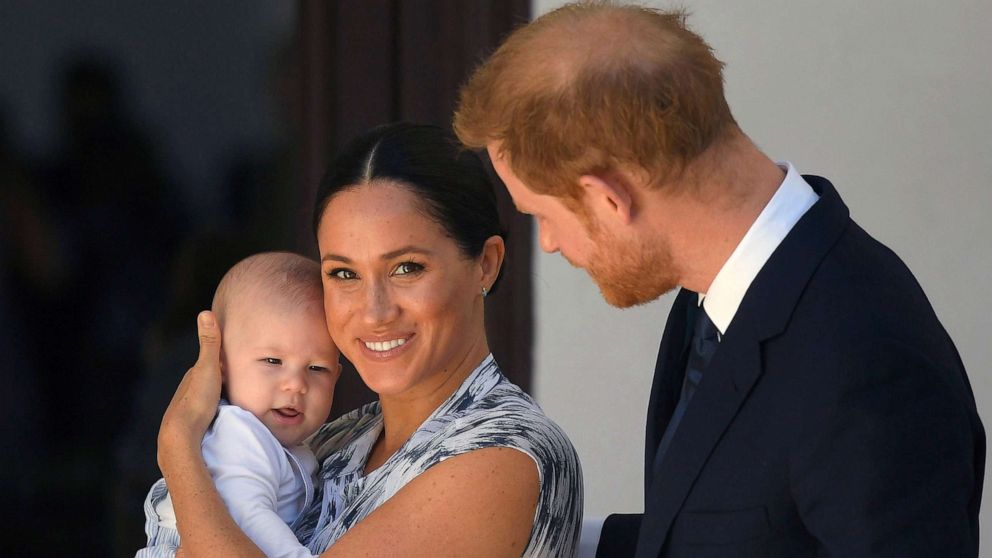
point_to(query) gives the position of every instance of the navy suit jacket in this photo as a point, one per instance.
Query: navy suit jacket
(835, 418)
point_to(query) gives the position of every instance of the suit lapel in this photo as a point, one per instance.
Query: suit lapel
(667, 378)
(726, 383)
(736, 367)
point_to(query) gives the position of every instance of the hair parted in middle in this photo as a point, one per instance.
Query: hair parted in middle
(450, 183)
(595, 86)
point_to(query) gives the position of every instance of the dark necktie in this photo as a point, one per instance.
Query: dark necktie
(702, 346)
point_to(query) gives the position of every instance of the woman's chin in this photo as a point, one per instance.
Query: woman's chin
(384, 384)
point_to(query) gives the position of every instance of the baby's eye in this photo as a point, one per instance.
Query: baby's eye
(341, 273)
(317, 368)
(407, 268)
(272, 361)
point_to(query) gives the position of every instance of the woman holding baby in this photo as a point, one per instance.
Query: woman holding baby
(453, 460)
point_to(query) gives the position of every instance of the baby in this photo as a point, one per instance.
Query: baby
(279, 367)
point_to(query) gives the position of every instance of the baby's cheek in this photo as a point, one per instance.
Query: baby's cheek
(327, 392)
(242, 393)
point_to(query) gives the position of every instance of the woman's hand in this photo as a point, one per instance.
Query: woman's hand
(193, 406)
(204, 523)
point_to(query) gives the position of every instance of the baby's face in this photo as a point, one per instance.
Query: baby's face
(281, 365)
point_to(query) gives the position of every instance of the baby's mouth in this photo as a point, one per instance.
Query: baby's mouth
(287, 412)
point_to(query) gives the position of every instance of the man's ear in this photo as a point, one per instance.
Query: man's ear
(610, 194)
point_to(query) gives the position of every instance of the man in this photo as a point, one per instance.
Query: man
(806, 400)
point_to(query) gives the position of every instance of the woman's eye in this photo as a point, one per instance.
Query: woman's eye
(407, 268)
(272, 361)
(341, 273)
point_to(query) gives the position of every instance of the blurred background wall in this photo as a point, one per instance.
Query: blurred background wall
(139, 144)
(888, 99)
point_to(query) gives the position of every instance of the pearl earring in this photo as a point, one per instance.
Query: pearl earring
(485, 292)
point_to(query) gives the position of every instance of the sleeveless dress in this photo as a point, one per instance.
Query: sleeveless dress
(486, 411)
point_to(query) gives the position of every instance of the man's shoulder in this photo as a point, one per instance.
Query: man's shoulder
(861, 317)
(864, 281)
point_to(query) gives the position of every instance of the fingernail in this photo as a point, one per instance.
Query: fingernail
(206, 319)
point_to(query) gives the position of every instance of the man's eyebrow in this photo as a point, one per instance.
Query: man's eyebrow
(387, 256)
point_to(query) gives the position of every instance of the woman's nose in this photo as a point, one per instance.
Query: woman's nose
(380, 307)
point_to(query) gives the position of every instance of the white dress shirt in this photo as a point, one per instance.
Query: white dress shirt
(790, 202)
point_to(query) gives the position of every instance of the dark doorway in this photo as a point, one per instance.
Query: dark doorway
(376, 61)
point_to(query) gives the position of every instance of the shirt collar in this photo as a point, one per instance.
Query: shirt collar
(790, 202)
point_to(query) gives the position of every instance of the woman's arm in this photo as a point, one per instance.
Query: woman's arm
(205, 526)
(479, 504)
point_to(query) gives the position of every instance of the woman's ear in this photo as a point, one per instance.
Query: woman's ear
(491, 261)
(608, 195)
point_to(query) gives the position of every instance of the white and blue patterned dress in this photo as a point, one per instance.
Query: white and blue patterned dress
(486, 411)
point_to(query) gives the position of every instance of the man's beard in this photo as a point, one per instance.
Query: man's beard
(630, 275)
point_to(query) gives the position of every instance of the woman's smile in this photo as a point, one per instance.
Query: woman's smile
(386, 348)
(398, 289)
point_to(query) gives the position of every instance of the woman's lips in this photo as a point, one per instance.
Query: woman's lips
(385, 348)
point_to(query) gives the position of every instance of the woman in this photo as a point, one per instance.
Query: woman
(453, 460)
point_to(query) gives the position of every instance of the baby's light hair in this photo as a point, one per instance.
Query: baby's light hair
(277, 277)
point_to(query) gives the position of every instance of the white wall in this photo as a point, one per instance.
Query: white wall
(891, 100)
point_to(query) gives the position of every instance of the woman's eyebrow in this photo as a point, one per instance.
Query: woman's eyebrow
(387, 256)
(335, 258)
(406, 250)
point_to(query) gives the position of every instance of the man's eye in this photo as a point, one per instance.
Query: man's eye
(341, 273)
(272, 361)
(407, 268)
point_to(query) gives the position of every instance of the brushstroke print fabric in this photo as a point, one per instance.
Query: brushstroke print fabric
(486, 411)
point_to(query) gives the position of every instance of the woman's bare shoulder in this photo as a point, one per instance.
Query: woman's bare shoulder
(480, 503)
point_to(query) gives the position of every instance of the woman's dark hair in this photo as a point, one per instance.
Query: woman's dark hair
(450, 182)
